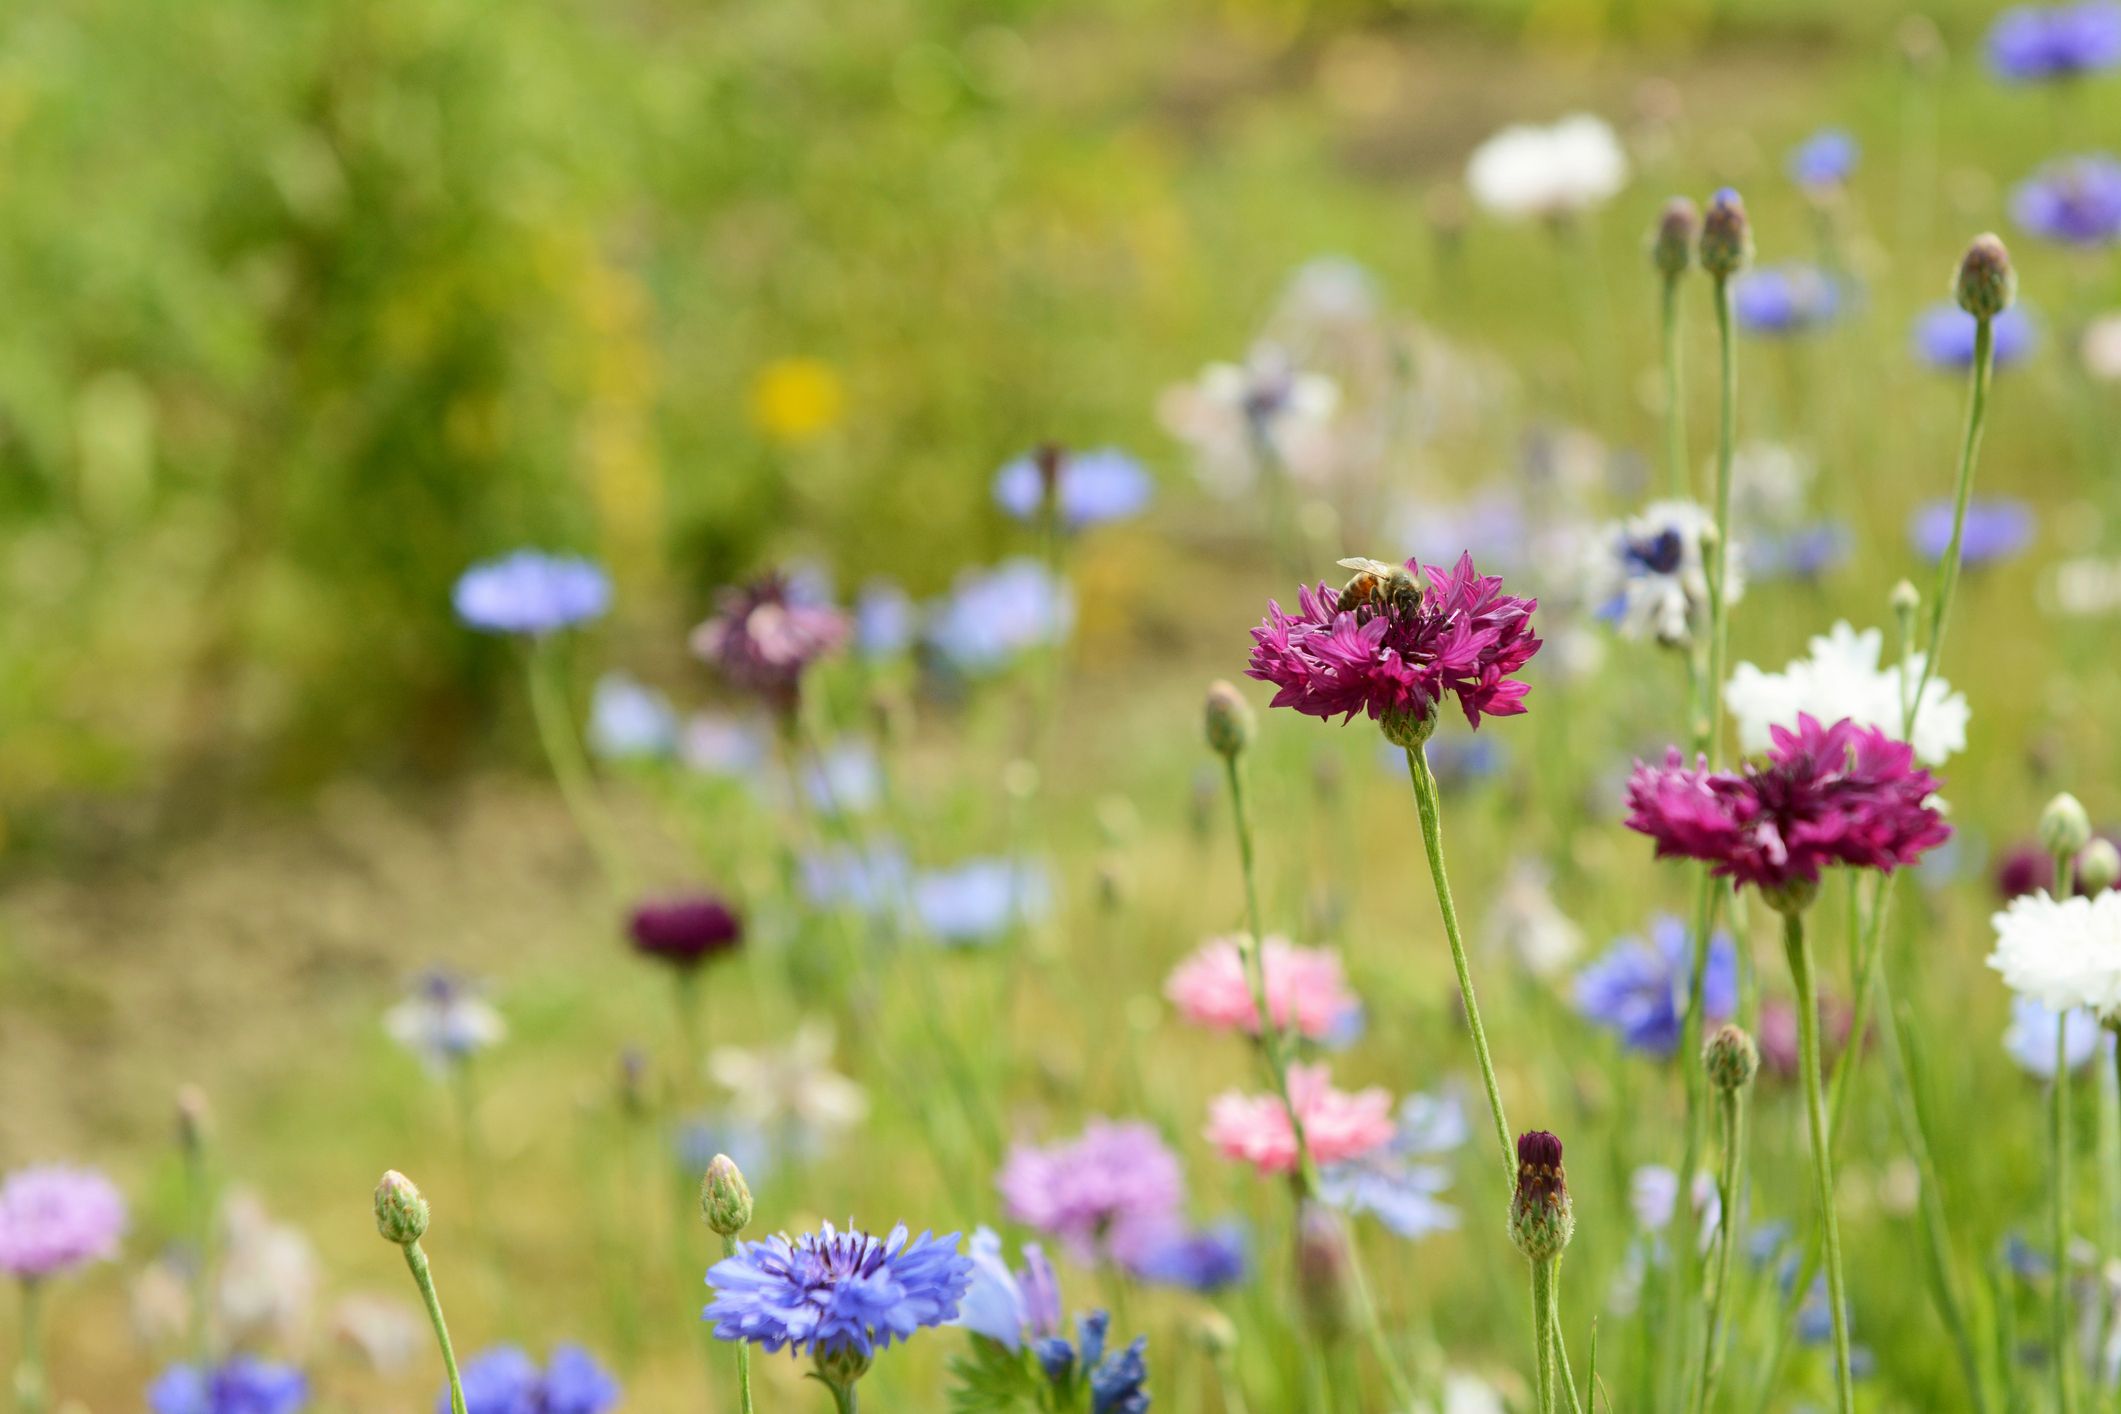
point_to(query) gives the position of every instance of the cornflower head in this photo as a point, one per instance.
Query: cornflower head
(1996, 529)
(1008, 1307)
(684, 930)
(1255, 1129)
(1203, 1259)
(1944, 336)
(1672, 238)
(1823, 162)
(54, 1218)
(993, 617)
(1237, 417)
(444, 1021)
(1402, 1184)
(835, 1296)
(1307, 991)
(1553, 173)
(791, 1088)
(1784, 299)
(531, 592)
(885, 620)
(1095, 1193)
(1393, 641)
(764, 637)
(1542, 1218)
(1648, 575)
(2030, 1038)
(240, 1385)
(1638, 987)
(505, 1380)
(980, 900)
(1726, 236)
(2042, 43)
(1088, 488)
(2066, 953)
(1118, 1381)
(1841, 677)
(629, 721)
(1825, 795)
(2072, 201)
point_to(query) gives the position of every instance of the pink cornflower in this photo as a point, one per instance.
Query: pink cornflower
(1306, 988)
(762, 638)
(1842, 794)
(53, 1218)
(1391, 646)
(1337, 1125)
(1096, 1193)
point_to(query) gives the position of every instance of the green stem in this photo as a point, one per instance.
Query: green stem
(1674, 407)
(1565, 1379)
(1969, 450)
(844, 1399)
(1731, 1108)
(424, 1279)
(1543, 1333)
(199, 1201)
(2059, 1156)
(685, 992)
(743, 1350)
(1719, 580)
(32, 1393)
(1800, 958)
(570, 768)
(1428, 804)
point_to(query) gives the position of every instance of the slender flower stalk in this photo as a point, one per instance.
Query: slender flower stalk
(725, 1204)
(1542, 1220)
(1672, 252)
(563, 753)
(32, 1391)
(2065, 829)
(1799, 950)
(1730, 1062)
(401, 1218)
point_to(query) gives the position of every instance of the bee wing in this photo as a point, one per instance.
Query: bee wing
(1363, 562)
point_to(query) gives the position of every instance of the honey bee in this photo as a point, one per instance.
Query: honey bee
(1388, 587)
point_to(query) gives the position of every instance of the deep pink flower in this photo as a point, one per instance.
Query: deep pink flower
(1306, 988)
(762, 638)
(684, 929)
(1097, 1193)
(1337, 1125)
(1394, 655)
(1825, 795)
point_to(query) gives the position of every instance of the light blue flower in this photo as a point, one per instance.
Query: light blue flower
(1401, 1185)
(1825, 159)
(531, 592)
(628, 721)
(1638, 987)
(980, 899)
(884, 620)
(995, 616)
(2030, 1038)
(716, 744)
(1094, 487)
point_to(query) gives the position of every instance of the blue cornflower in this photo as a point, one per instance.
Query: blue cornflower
(2030, 1039)
(628, 721)
(576, 1384)
(1094, 487)
(716, 744)
(980, 899)
(531, 592)
(833, 1292)
(1118, 1381)
(884, 620)
(2075, 201)
(1200, 1259)
(1824, 160)
(240, 1386)
(871, 880)
(1005, 1306)
(845, 780)
(2034, 42)
(503, 1380)
(1944, 336)
(1803, 552)
(1638, 987)
(1784, 299)
(1401, 1184)
(1995, 530)
(992, 616)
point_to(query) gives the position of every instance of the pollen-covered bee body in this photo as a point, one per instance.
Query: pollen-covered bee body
(1383, 586)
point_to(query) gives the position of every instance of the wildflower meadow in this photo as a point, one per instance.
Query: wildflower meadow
(1260, 708)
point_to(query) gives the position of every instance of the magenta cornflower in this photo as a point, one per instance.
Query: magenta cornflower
(1095, 1193)
(53, 1218)
(1393, 642)
(1337, 1125)
(763, 638)
(1842, 794)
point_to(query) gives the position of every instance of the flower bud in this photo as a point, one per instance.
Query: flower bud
(725, 1199)
(1215, 1334)
(401, 1213)
(841, 1365)
(2098, 866)
(1726, 236)
(1905, 599)
(1542, 1220)
(1228, 718)
(191, 1119)
(1408, 728)
(2064, 827)
(1986, 283)
(1322, 1268)
(1672, 243)
(1731, 1058)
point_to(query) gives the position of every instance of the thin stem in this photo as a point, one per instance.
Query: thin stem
(1800, 957)
(1430, 808)
(1565, 1380)
(198, 1200)
(844, 1399)
(570, 768)
(685, 992)
(743, 1349)
(1969, 450)
(1674, 406)
(1731, 1109)
(424, 1279)
(2059, 1156)
(32, 1394)
(1543, 1333)
(1720, 580)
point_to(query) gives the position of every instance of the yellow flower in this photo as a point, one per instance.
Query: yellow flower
(797, 400)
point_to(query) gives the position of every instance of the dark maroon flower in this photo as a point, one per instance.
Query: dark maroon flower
(1825, 795)
(762, 638)
(684, 930)
(2027, 868)
(1391, 646)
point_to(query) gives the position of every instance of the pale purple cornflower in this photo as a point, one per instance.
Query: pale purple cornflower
(1096, 1192)
(993, 617)
(1804, 552)
(981, 899)
(242, 1385)
(1784, 299)
(871, 880)
(1825, 795)
(630, 721)
(832, 1292)
(1092, 487)
(1202, 1259)
(1824, 161)
(716, 744)
(1009, 1307)
(1638, 987)
(444, 1021)
(531, 592)
(1944, 336)
(764, 636)
(2029, 43)
(1392, 647)
(1402, 1184)
(2030, 1038)
(2073, 200)
(54, 1218)
(1996, 529)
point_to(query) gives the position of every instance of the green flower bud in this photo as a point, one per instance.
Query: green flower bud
(2098, 866)
(1542, 1219)
(1986, 284)
(1228, 719)
(1215, 1334)
(1726, 235)
(840, 1366)
(401, 1213)
(1731, 1058)
(2065, 829)
(1408, 729)
(1905, 599)
(1672, 243)
(725, 1199)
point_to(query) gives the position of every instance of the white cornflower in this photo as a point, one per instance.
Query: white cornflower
(792, 1085)
(1648, 575)
(1842, 678)
(2102, 348)
(1527, 924)
(2066, 953)
(1549, 173)
(444, 1021)
(1233, 414)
